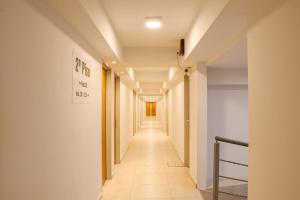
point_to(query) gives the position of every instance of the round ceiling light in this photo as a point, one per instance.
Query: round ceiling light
(153, 22)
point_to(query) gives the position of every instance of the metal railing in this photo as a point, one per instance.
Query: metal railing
(217, 161)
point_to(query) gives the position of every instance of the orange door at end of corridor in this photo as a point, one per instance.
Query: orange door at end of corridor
(153, 109)
(148, 112)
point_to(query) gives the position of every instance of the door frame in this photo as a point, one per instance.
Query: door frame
(110, 88)
(103, 127)
(117, 153)
(167, 112)
(186, 121)
(134, 112)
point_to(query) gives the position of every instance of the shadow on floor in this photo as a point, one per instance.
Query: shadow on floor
(239, 189)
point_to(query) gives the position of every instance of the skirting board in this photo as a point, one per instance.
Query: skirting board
(100, 196)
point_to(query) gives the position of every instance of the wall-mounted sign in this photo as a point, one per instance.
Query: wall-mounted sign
(81, 78)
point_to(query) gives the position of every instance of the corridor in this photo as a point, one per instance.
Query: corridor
(144, 172)
(149, 100)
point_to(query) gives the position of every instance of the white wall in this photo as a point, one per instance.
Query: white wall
(193, 124)
(198, 125)
(159, 109)
(141, 112)
(176, 118)
(126, 117)
(274, 96)
(144, 110)
(50, 148)
(110, 122)
(164, 113)
(137, 112)
(227, 76)
(228, 117)
(218, 109)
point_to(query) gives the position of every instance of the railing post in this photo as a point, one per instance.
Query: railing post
(216, 171)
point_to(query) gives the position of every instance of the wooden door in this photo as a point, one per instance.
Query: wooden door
(153, 109)
(148, 109)
(104, 174)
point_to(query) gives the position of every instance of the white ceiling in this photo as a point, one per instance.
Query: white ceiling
(151, 75)
(128, 17)
(150, 57)
(151, 88)
(234, 57)
(151, 80)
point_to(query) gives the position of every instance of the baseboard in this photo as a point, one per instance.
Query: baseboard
(100, 196)
(192, 180)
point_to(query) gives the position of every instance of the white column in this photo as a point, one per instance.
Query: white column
(198, 125)
(274, 97)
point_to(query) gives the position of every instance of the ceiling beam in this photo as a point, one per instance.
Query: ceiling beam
(203, 23)
(87, 19)
(150, 57)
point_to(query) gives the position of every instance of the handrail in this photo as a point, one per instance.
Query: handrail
(217, 161)
(236, 142)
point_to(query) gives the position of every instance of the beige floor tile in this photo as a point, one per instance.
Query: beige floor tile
(151, 178)
(184, 190)
(123, 179)
(114, 192)
(151, 191)
(144, 174)
(154, 198)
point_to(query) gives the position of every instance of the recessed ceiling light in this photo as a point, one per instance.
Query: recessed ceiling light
(114, 62)
(121, 72)
(153, 22)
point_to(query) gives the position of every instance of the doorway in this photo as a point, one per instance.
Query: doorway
(150, 109)
(104, 168)
(186, 121)
(134, 112)
(117, 121)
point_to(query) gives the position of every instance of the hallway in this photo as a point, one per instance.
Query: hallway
(144, 172)
(149, 100)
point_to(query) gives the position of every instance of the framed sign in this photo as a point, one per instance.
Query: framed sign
(81, 78)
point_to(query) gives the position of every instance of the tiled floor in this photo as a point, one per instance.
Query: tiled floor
(144, 174)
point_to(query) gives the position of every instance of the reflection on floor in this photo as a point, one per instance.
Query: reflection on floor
(144, 173)
(151, 123)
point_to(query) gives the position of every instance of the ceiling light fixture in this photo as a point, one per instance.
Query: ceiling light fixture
(114, 62)
(153, 22)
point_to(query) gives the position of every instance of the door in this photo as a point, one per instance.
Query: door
(104, 175)
(153, 109)
(167, 112)
(186, 121)
(117, 121)
(134, 112)
(148, 109)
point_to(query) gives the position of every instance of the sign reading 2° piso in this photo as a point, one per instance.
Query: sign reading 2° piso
(81, 78)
